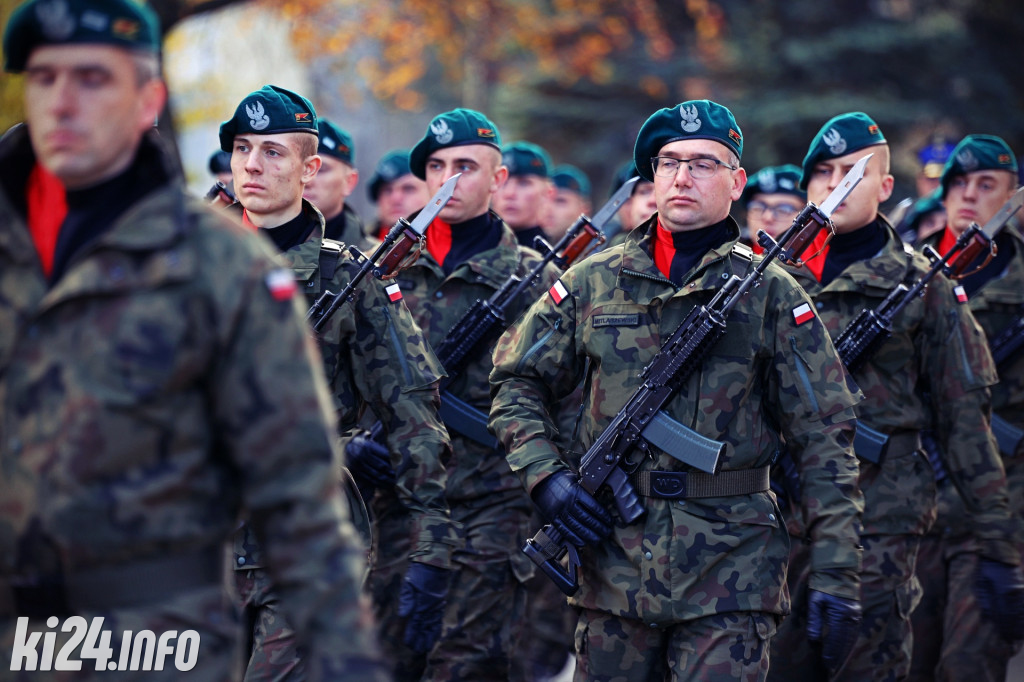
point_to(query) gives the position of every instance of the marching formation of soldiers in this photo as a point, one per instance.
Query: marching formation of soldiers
(495, 427)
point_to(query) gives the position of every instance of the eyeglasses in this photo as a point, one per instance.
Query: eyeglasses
(699, 169)
(781, 212)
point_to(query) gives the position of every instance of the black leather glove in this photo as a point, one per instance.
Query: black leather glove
(833, 622)
(1000, 591)
(580, 518)
(422, 602)
(369, 462)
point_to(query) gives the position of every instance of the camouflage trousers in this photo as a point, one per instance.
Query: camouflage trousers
(725, 647)
(547, 639)
(952, 640)
(889, 593)
(273, 656)
(486, 601)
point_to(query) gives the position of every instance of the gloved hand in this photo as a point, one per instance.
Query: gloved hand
(369, 462)
(422, 602)
(1000, 591)
(833, 622)
(580, 518)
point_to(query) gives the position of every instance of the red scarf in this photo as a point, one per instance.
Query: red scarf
(947, 242)
(664, 249)
(439, 240)
(817, 265)
(47, 208)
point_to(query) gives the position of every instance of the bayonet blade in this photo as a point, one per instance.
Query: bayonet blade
(614, 204)
(1009, 209)
(435, 205)
(844, 188)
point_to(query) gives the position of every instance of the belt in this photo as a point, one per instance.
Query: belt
(678, 485)
(124, 585)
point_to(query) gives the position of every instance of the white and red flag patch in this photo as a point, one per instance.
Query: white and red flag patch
(281, 284)
(394, 292)
(558, 292)
(961, 294)
(802, 313)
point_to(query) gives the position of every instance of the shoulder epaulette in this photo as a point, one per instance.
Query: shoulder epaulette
(330, 256)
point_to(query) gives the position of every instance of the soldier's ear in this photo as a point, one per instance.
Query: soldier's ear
(500, 176)
(885, 190)
(310, 167)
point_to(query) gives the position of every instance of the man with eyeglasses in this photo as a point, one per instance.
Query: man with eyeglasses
(694, 590)
(772, 198)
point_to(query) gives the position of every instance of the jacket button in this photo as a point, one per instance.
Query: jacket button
(648, 556)
(241, 561)
(438, 294)
(771, 517)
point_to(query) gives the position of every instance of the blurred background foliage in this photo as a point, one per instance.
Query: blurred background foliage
(579, 77)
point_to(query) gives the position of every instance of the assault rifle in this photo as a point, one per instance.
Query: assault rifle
(603, 465)
(873, 327)
(398, 242)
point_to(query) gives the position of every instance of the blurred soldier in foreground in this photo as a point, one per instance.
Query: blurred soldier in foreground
(694, 590)
(570, 199)
(521, 201)
(396, 191)
(333, 184)
(772, 199)
(374, 356)
(935, 343)
(953, 637)
(156, 380)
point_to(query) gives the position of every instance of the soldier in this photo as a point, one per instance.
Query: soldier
(638, 209)
(570, 199)
(694, 590)
(155, 379)
(374, 356)
(334, 183)
(521, 200)
(220, 167)
(470, 253)
(396, 191)
(953, 640)
(935, 343)
(772, 199)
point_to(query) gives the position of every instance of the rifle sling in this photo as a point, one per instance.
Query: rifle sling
(466, 420)
(1007, 435)
(681, 485)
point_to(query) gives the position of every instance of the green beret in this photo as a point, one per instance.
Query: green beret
(774, 180)
(624, 174)
(335, 142)
(977, 153)
(120, 23)
(391, 166)
(694, 120)
(268, 111)
(526, 158)
(453, 128)
(843, 134)
(571, 178)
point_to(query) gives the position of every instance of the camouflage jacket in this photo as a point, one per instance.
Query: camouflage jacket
(438, 303)
(163, 384)
(375, 356)
(936, 348)
(768, 375)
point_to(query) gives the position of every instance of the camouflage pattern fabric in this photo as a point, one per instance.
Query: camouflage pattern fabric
(485, 497)
(163, 384)
(954, 650)
(693, 558)
(725, 647)
(374, 356)
(935, 342)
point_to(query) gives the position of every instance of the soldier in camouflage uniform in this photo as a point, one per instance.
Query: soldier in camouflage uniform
(952, 638)
(156, 379)
(935, 343)
(469, 253)
(395, 190)
(523, 198)
(374, 356)
(693, 591)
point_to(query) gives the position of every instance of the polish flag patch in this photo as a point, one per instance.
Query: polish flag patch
(802, 313)
(394, 292)
(281, 284)
(558, 292)
(961, 294)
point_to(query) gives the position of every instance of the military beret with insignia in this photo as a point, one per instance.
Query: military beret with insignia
(977, 153)
(841, 135)
(391, 166)
(335, 142)
(694, 120)
(566, 176)
(454, 128)
(120, 23)
(625, 172)
(268, 111)
(526, 158)
(220, 162)
(774, 180)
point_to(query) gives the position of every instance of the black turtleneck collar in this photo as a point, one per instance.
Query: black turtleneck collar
(526, 237)
(852, 247)
(335, 227)
(687, 248)
(474, 236)
(292, 233)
